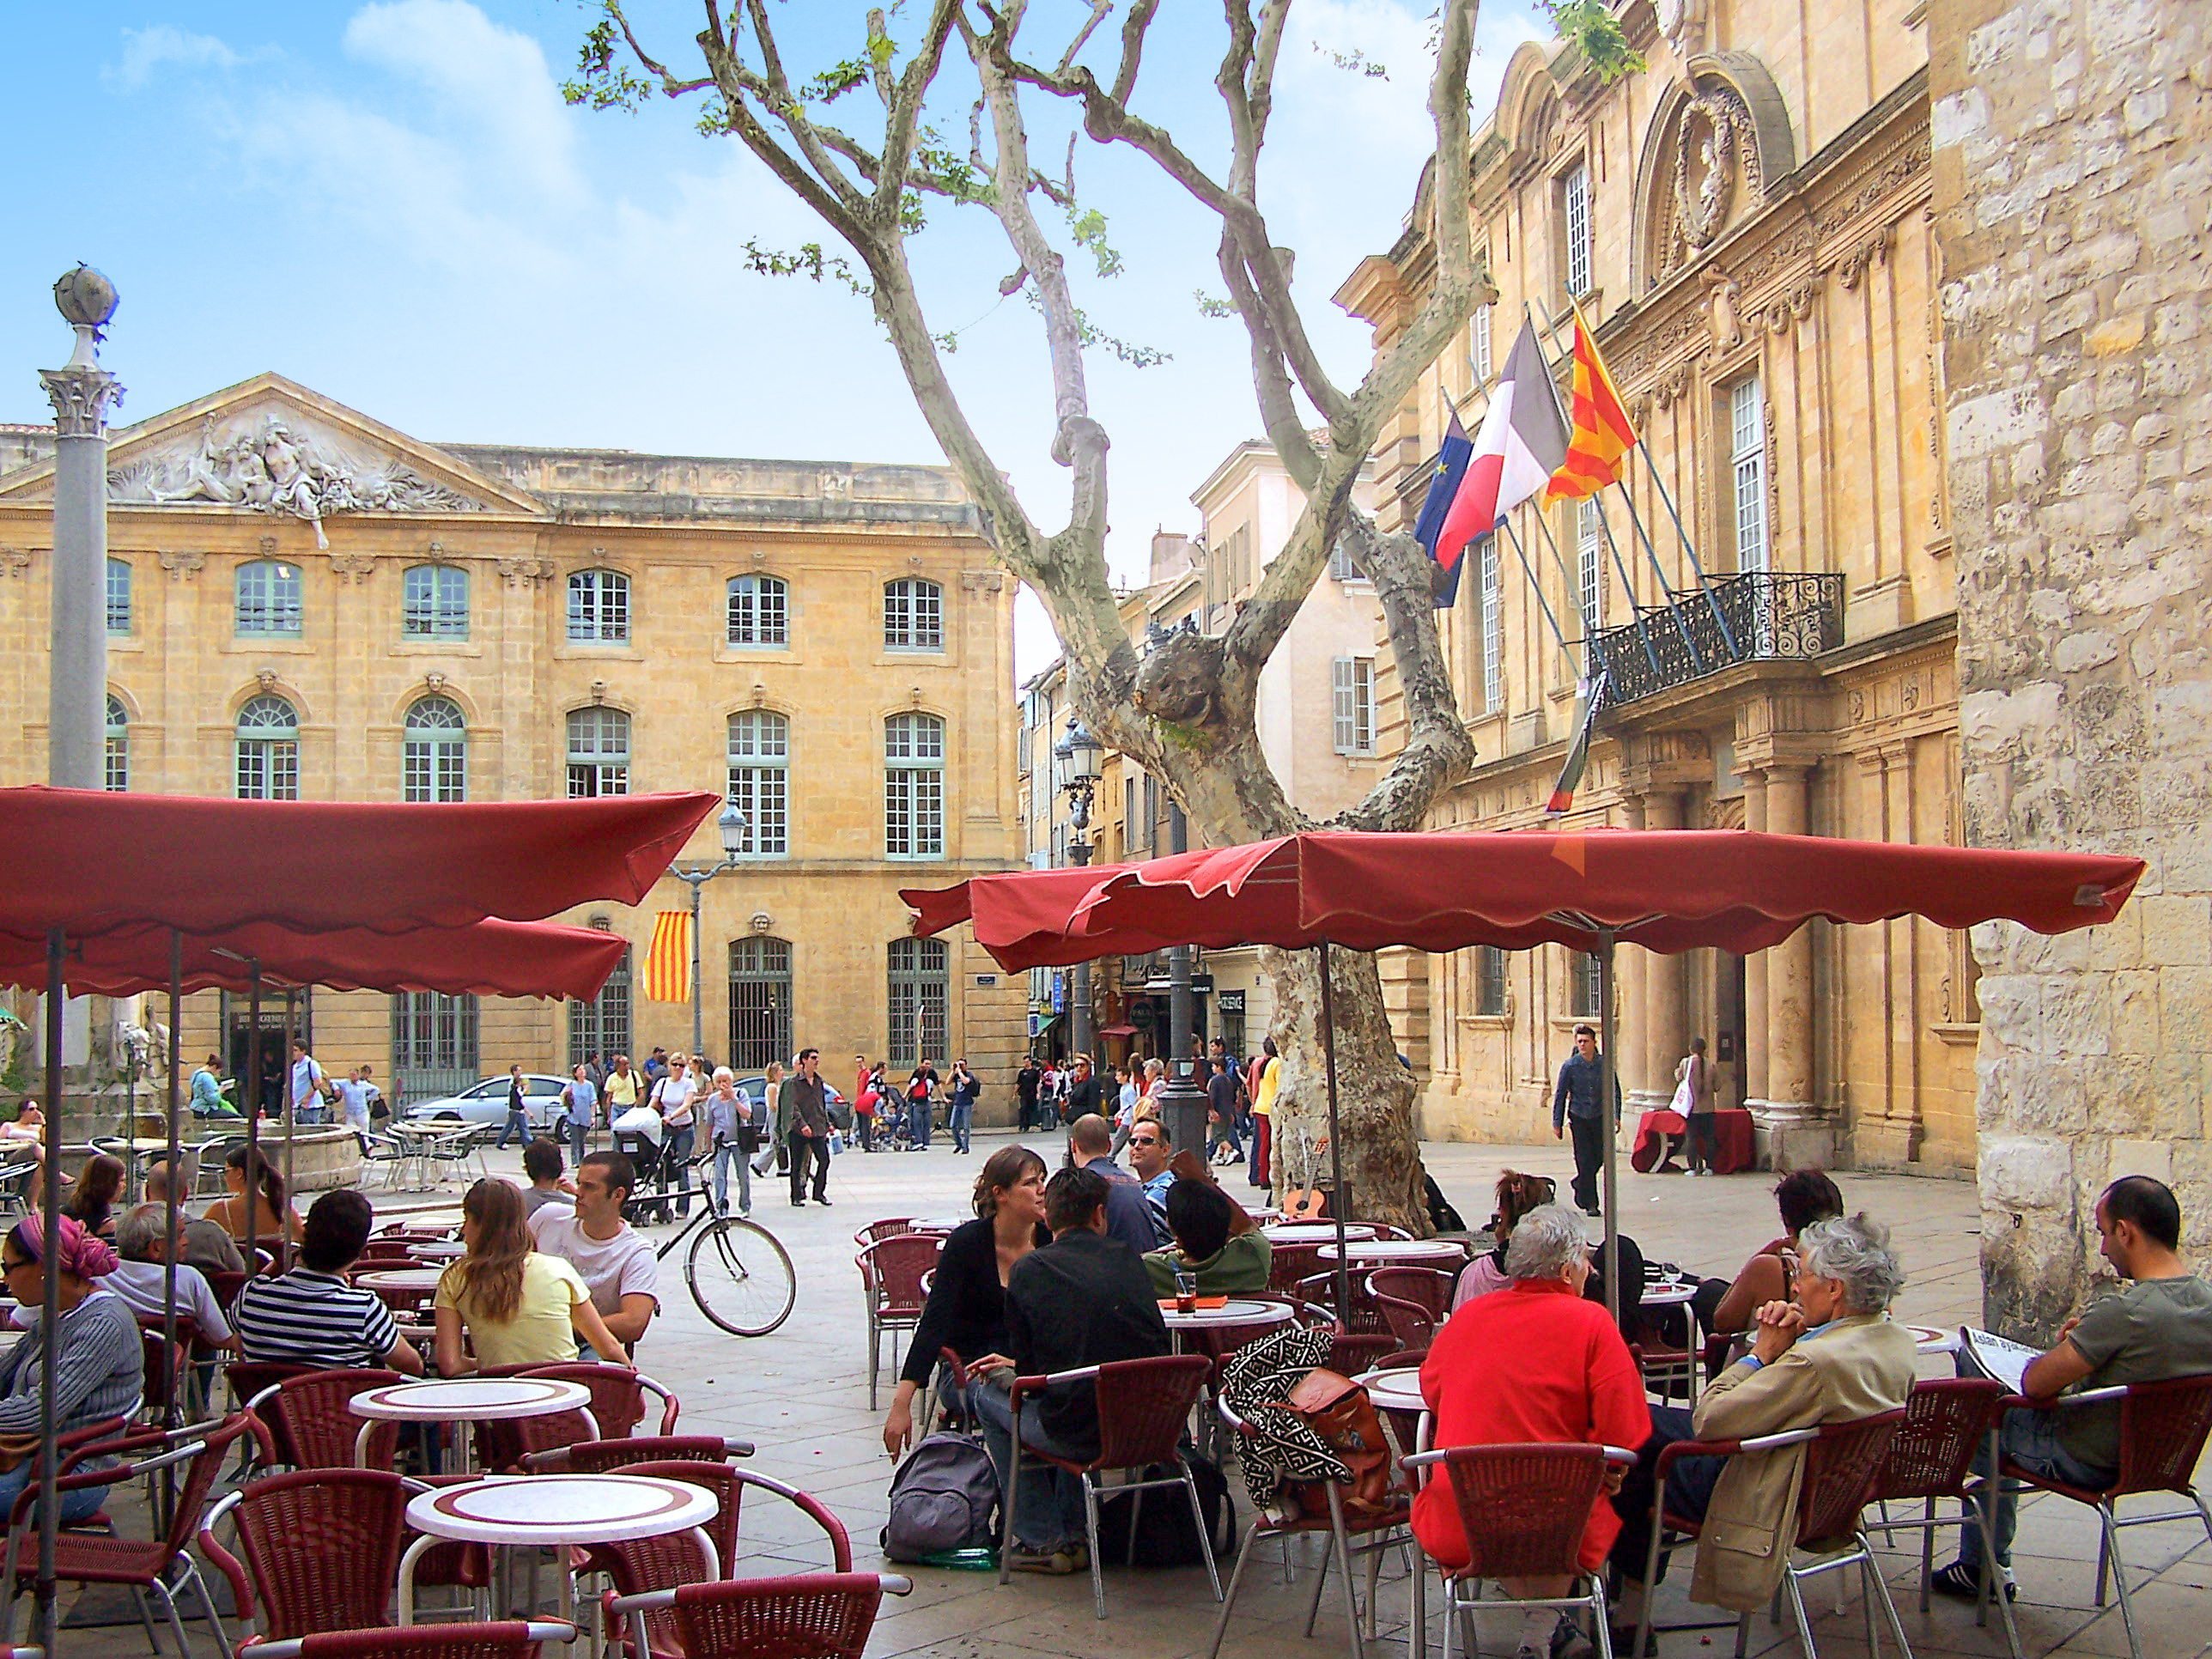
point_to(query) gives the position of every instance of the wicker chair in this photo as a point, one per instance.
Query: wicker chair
(1290, 1265)
(1522, 1509)
(316, 1550)
(308, 1418)
(617, 1407)
(509, 1639)
(1143, 1406)
(821, 1615)
(891, 1271)
(891, 1227)
(598, 1456)
(1427, 1288)
(1945, 1422)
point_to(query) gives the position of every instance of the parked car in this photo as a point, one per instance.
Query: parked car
(486, 1103)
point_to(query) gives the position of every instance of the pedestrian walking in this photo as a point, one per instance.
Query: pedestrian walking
(867, 1095)
(1693, 1099)
(672, 1097)
(517, 1126)
(1263, 1106)
(964, 1088)
(802, 1108)
(357, 1093)
(728, 1115)
(1026, 1083)
(1575, 1102)
(579, 1099)
(311, 1089)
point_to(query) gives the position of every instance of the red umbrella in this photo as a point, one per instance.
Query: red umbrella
(90, 861)
(1668, 890)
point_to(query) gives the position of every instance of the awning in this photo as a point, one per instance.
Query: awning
(1118, 1031)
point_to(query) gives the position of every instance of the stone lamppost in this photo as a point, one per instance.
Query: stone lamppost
(77, 695)
(1078, 755)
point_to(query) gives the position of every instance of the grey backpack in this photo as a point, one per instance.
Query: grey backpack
(943, 1498)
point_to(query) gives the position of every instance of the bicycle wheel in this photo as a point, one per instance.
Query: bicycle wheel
(741, 1276)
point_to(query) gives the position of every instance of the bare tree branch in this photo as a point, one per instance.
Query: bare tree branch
(785, 104)
(1132, 46)
(1098, 10)
(902, 111)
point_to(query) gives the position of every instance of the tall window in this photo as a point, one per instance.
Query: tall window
(118, 596)
(268, 598)
(760, 1003)
(1574, 215)
(1489, 982)
(759, 608)
(1747, 469)
(1582, 987)
(598, 606)
(599, 752)
(1341, 565)
(433, 603)
(1589, 567)
(760, 771)
(434, 1043)
(913, 787)
(268, 750)
(601, 1026)
(913, 615)
(1478, 338)
(435, 752)
(920, 996)
(118, 745)
(1494, 626)
(1352, 697)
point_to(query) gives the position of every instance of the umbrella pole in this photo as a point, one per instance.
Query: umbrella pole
(51, 1309)
(291, 1127)
(174, 1156)
(1606, 1083)
(1336, 1196)
(252, 1106)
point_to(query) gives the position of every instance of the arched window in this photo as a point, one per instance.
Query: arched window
(598, 607)
(268, 750)
(118, 742)
(435, 752)
(118, 596)
(601, 1026)
(913, 615)
(913, 787)
(760, 1003)
(921, 998)
(433, 601)
(268, 598)
(599, 752)
(760, 763)
(759, 610)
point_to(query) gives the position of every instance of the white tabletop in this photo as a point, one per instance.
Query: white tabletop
(940, 1223)
(464, 1398)
(1237, 1310)
(1665, 1295)
(436, 1249)
(400, 1278)
(1398, 1389)
(1930, 1338)
(1314, 1232)
(561, 1508)
(1397, 1249)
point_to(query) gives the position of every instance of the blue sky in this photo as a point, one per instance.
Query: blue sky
(389, 202)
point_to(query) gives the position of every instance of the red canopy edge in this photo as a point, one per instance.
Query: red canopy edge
(91, 862)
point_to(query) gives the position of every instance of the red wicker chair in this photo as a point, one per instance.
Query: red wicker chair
(1352, 1353)
(1842, 1461)
(891, 1271)
(818, 1615)
(1930, 1458)
(617, 1407)
(1409, 1325)
(2163, 1426)
(509, 1639)
(891, 1227)
(1426, 1288)
(165, 1383)
(1290, 1265)
(1143, 1406)
(307, 1418)
(316, 1550)
(598, 1456)
(1522, 1509)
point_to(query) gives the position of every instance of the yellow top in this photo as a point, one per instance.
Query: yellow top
(540, 1333)
(1266, 1100)
(621, 1089)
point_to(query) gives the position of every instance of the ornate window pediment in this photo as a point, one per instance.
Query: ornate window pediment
(1716, 144)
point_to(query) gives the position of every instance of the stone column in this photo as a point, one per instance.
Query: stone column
(1786, 1118)
(1639, 1086)
(1755, 969)
(77, 686)
(1664, 1015)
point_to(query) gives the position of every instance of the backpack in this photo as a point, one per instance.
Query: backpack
(1167, 1532)
(943, 1498)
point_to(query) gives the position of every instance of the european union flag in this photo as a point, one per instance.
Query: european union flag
(1451, 463)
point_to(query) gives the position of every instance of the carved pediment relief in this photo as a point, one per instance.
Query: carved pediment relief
(1718, 141)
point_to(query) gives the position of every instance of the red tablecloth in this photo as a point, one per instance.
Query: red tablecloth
(1732, 1143)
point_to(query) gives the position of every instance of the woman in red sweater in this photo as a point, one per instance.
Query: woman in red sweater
(1571, 1379)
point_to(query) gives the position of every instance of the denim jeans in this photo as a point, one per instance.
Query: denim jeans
(2030, 1439)
(727, 1157)
(1048, 1508)
(578, 1128)
(516, 1125)
(865, 1122)
(75, 1505)
(679, 1159)
(961, 1112)
(917, 1118)
(1690, 1483)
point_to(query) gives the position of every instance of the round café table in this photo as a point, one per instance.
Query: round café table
(1669, 1293)
(531, 1511)
(435, 1250)
(1397, 1252)
(1931, 1338)
(1243, 1313)
(470, 1400)
(1314, 1232)
(399, 1279)
(940, 1223)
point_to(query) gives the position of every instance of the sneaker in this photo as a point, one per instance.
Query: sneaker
(1964, 1582)
(1058, 1563)
(1568, 1641)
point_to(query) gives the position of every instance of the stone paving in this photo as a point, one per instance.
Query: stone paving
(801, 1394)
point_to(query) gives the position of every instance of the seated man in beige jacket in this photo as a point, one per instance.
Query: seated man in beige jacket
(1830, 1356)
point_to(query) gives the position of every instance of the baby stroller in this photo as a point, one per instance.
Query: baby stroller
(639, 1137)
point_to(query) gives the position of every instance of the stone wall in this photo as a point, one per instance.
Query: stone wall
(2073, 175)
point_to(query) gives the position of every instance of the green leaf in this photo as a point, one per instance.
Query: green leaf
(1592, 26)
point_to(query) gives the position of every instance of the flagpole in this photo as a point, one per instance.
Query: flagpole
(1537, 588)
(1588, 622)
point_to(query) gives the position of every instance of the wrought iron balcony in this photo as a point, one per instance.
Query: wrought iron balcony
(1761, 615)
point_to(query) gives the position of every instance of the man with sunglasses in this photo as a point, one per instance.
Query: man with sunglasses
(1149, 1151)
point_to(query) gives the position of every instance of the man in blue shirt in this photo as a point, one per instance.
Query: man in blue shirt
(1575, 1102)
(1128, 1218)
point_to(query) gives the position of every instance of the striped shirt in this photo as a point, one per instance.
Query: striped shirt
(311, 1319)
(100, 1373)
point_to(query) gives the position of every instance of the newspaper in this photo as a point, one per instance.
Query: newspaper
(1997, 1357)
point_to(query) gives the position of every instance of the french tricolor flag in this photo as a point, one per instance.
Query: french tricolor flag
(1520, 445)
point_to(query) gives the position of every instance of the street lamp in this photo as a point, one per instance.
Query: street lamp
(1077, 754)
(732, 825)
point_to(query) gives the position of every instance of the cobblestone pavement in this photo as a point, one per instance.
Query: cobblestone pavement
(801, 1394)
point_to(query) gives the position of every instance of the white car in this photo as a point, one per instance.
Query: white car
(486, 1103)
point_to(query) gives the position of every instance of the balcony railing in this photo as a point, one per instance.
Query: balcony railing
(1770, 615)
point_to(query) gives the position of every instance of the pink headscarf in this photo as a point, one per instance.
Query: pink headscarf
(81, 1253)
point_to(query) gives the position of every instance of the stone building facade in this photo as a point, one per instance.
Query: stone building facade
(1744, 226)
(305, 604)
(2073, 197)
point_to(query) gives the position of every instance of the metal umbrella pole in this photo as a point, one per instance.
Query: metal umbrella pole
(291, 1127)
(174, 1155)
(1336, 1193)
(51, 1308)
(1609, 1120)
(252, 1104)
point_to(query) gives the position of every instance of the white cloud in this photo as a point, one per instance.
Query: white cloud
(146, 49)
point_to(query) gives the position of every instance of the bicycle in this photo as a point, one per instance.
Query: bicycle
(736, 1271)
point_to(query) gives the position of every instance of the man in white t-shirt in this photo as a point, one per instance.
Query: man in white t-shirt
(141, 1276)
(354, 1095)
(616, 1260)
(308, 1085)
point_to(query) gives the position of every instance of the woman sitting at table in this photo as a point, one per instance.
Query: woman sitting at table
(1517, 1194)
(98, 1360)
(245, 1170)
(1569, 1380)
(91, 1202)
(966, 1308)
(1804, 1196)
(1209, 1244)
(519, 1306)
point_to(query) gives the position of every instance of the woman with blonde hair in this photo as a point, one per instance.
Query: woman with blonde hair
(519, 1306)
(772, 1155)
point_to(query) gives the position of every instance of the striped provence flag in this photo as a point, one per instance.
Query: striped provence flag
(668, 958)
